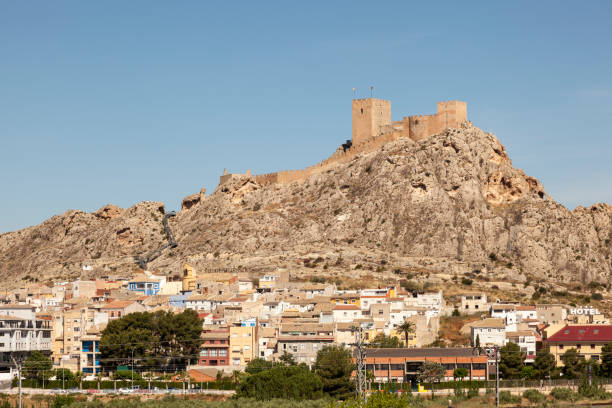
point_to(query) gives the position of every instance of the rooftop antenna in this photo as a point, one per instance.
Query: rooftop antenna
(354, 93)
(371, 91)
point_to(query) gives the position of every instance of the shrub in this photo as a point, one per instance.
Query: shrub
(596, 296)
(563, 394)
(506, 398)
(466, 281)
(493, 257)
(456, 313)
(534, 396)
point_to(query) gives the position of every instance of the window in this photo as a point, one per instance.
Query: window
(578, 346)
(560, 346)
(222, 352)
(212, 353)
(592, 346)
(204, 353)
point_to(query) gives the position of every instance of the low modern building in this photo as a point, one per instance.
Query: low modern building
(402, 364)
(588, 341)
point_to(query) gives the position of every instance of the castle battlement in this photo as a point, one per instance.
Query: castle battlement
(373, 128)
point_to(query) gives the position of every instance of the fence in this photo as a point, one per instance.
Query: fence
(484, 384)
(116, 385)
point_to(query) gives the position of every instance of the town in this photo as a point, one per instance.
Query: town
(269, 317)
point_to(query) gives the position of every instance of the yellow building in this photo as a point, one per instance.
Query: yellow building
(243, 342)
(189, 278)
(588, 340)
(346, 299)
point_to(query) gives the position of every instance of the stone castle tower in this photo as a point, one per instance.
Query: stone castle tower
(371, 117)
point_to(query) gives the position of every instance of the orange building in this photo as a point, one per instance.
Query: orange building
(402, 364)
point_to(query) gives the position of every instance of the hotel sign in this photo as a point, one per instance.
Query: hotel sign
(584, 310)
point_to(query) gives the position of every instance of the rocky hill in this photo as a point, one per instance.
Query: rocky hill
(451, 204)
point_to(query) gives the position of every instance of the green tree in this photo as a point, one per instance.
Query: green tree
(161, 339)
(606, 360)
(64, 374)
(383, 341)
(573, 364)
(528, 372)
(545, 365)
(258, 365)
(334, 366)
(282, 381)
(477, 343)
(511, 361)
(37, 367)
(287, 359)
(460, 373)
(407, 327)
(431, 372)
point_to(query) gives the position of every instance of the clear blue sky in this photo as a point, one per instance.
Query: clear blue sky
(124, 101)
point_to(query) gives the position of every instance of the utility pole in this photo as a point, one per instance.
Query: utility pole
(361, 368)
(132, 368)
(496, 377)
(18, 366)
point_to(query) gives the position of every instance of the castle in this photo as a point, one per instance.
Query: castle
(373, 128)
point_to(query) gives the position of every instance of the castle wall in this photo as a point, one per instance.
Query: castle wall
(372, 129)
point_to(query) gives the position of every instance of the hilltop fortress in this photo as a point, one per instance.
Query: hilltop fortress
(373, 128)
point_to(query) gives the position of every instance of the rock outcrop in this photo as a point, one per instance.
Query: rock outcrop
(451, 203)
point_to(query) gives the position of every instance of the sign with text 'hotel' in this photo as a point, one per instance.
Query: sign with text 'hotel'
(584, 310)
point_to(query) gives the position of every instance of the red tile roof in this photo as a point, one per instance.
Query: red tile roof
(599, 333)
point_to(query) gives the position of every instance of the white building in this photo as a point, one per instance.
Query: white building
(489, 332)
(21, 333)
(505, 312)
(526, 340)
(346, 313)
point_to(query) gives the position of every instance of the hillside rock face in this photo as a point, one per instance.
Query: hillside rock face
(452, 202)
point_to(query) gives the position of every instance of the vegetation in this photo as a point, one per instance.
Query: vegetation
(334, 366)
(511, 361)
(383, 341)
(534, 396)
(407, 328)
(161, 339)
(282, 381)
(431, 372)
(544, 365)
(37, 367)
(564, 394)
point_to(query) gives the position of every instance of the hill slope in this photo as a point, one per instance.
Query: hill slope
(451, 203)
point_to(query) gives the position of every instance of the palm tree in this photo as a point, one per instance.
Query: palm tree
(407, 327)
(79, 377)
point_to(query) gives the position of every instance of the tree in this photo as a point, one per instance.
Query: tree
(573, 364)
(64, 374)
(477, 343)
(460, 373)
(287, 359)
(545, 365)
(511, 361)
(606, 360)
(407, 327)
(258, 365)
(383, 341)
(161, 339)
(281, 381)
(334, 366)
(528, 372)
(431, 372)
(37, 367)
